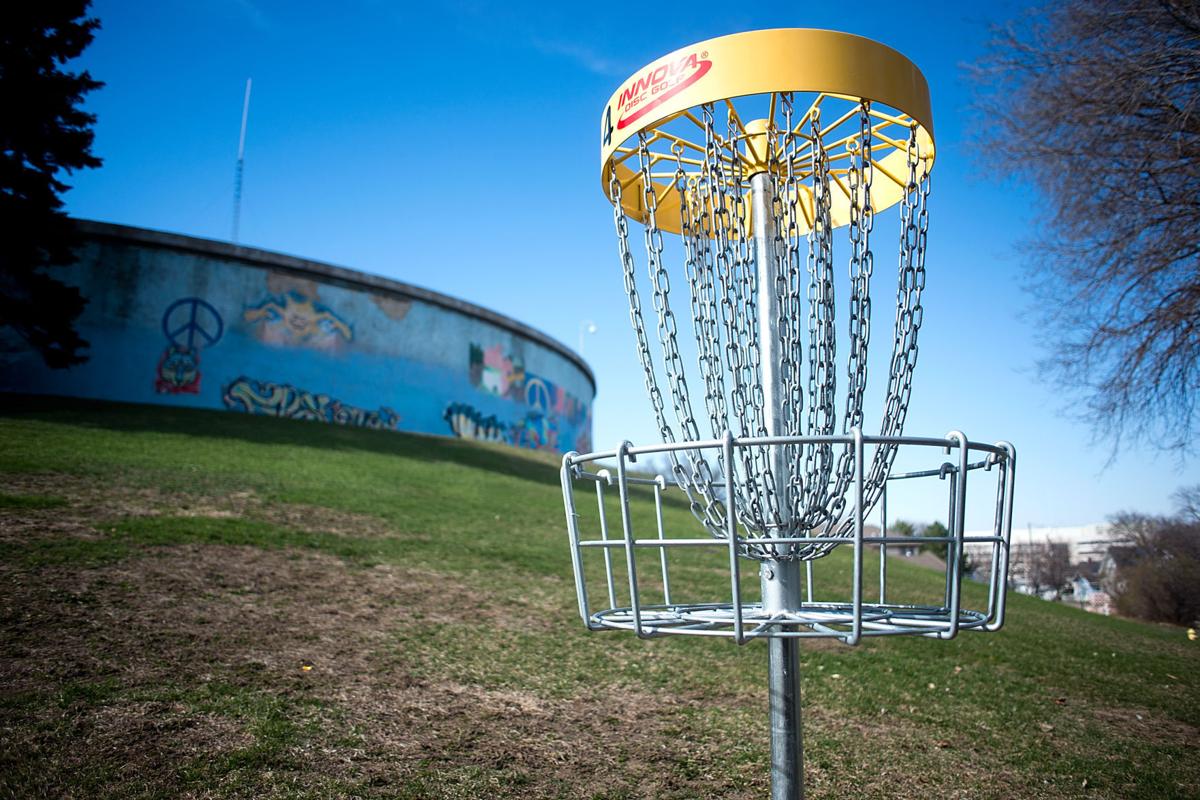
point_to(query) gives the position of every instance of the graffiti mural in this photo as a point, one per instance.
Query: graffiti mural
(545, 417)
(283, 400)
(496, 373)
(189, 324)
(178, 371)
(583, 440)
(467, 423)
(535, 430)
(293, 318)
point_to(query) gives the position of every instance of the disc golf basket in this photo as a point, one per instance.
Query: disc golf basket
(758, 152)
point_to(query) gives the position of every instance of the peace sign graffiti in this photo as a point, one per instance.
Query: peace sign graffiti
(537, 394)
(192, 322)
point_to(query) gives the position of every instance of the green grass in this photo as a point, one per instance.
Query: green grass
(31, 501)
(1041, 702)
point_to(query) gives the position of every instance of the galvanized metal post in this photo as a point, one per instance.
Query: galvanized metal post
(781, 580)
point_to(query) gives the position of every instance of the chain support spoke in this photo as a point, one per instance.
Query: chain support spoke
(686, 145)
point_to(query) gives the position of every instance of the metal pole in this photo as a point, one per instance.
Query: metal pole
(237, 182)
(780, 579)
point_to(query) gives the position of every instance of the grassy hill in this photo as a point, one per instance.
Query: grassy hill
(207, 604)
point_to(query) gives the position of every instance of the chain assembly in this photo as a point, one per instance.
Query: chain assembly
(818, 172)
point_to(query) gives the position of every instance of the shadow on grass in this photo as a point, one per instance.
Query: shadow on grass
(538, 467)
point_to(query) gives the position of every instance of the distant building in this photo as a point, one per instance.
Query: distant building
(1083, 542)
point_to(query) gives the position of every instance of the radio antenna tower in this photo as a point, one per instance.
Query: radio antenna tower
(237, 181)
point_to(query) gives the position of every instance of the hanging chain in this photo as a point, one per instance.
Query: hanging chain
(639, 325)
(700, 478)
(723, 276)
(723, 165)
(914, 227)
(822, 336)
(718, 212)
(661, 282)
(862, 263)
(862, 216)
(759, 486)
(706, 240)
(790, 310)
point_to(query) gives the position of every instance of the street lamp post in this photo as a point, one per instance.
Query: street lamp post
(585, 326)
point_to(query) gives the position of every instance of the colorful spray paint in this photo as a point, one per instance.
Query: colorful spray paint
(190, 322)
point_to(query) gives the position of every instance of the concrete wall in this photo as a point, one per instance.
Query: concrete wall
(190, 322)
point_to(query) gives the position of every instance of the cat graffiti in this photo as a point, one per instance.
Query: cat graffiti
(294, 319)
(178, 370)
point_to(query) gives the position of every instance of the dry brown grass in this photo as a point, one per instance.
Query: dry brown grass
(308, 627)
(133, 677)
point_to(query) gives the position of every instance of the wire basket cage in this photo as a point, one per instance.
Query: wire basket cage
(659, 582)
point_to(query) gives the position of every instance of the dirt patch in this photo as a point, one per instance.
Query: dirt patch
(92, 503)
(207, 625)
(141, 737)
(185, 642)
(187, 610)
(142, 674)
(138, 671)
(892, 755)
(1146, 726)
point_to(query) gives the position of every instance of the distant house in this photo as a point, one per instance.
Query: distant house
(1086, 589)
(1116, 558)
(903, 550)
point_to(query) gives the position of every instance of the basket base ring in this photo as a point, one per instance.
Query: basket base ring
(811, 621)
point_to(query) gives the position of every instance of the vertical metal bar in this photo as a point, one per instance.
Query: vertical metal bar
(781, 588)
(241, 163)
(997, 533)
(856, 628)
(573, 534)
(659, 487)
(606, 477)
(883, 531)
(735, 572)
(627, 530)
(948, 470)
(1010, 478)
(787, 741)
(957, 523)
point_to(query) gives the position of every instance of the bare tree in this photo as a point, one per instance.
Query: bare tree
(1097, 103)
(1159, 577)
(1049, 567)
(1187, 502)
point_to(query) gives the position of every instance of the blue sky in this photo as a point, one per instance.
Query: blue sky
(454, 146)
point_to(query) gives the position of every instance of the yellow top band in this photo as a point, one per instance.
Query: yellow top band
(762, 62)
